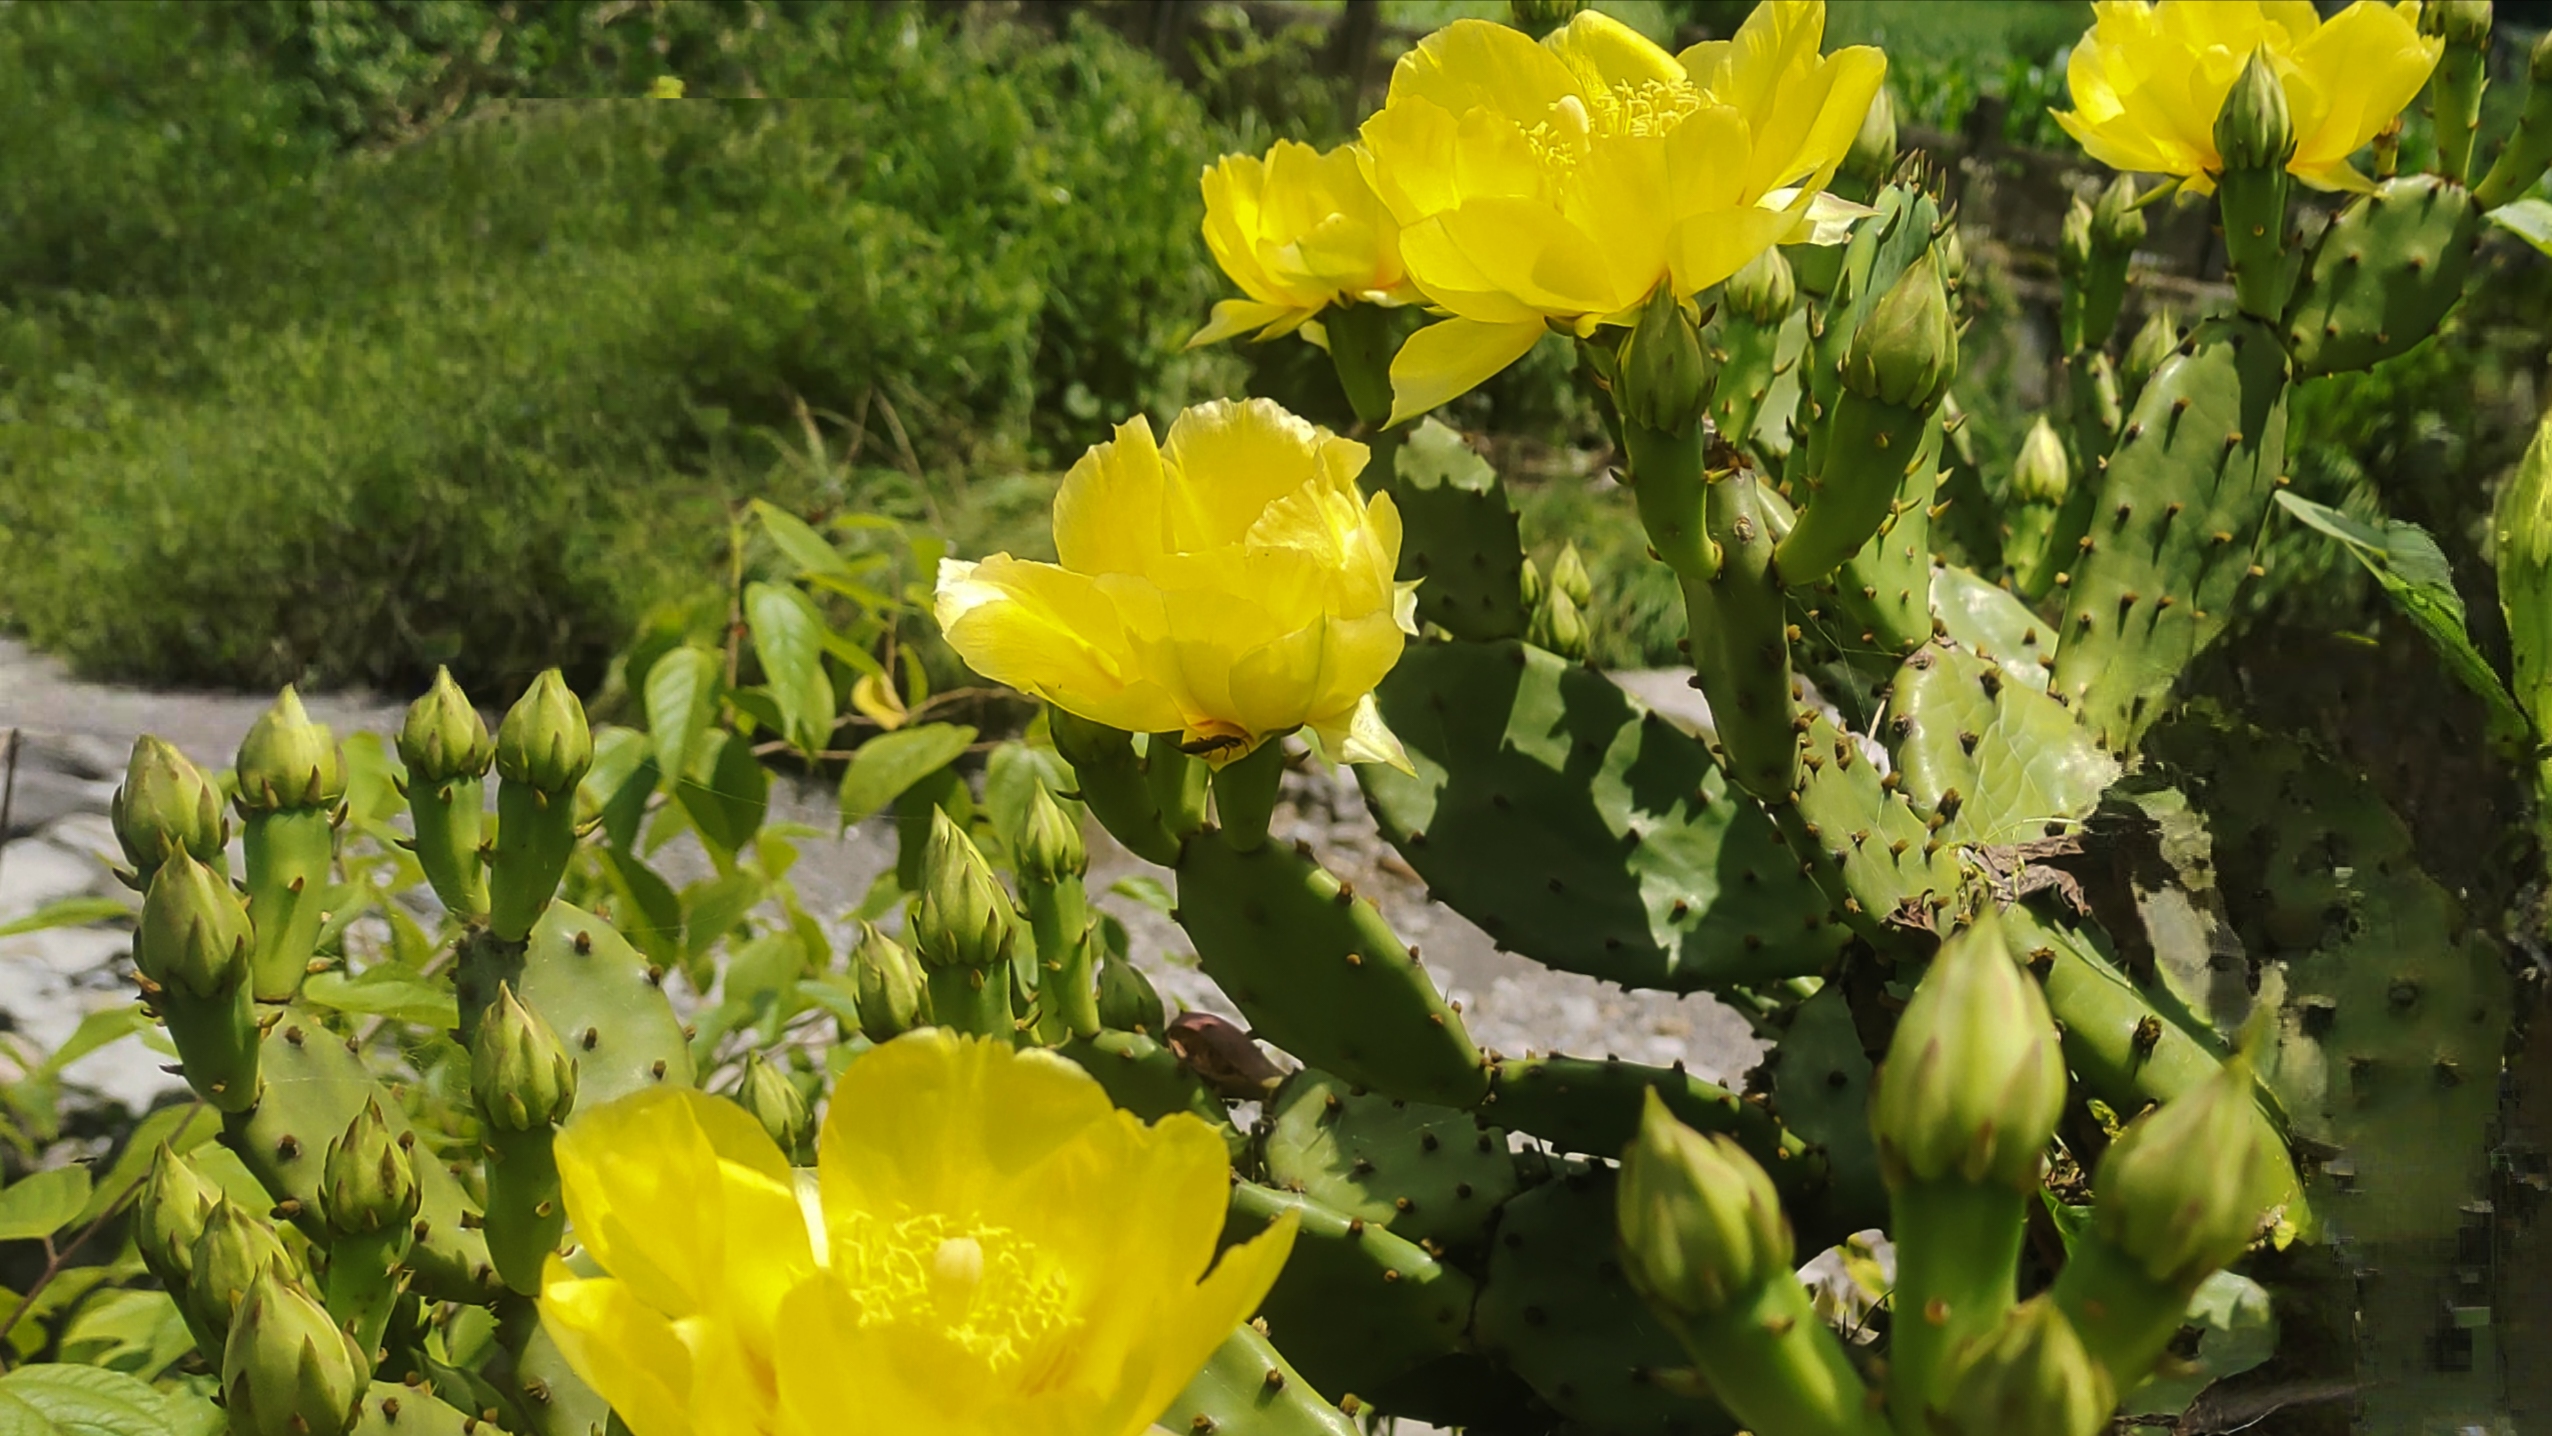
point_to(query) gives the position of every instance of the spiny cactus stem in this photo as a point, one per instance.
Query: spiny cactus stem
(1067, 991)
(535, 837)
(290, 852)
(1245, 794)
(972, 1000)
(450, 822)
(526, 1216)
(1178, 782)
(2254, 210)
(1778, 1368)
(1670, 483)
(1870, 446)
(363, 1280)
(1957, 1269)
(1112, 785)
(2125, 1318)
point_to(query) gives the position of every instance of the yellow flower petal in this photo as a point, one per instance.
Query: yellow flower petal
(937, 1122)
(1298, 231)
(622, 1347)
(1235, 317)
(1445, 361)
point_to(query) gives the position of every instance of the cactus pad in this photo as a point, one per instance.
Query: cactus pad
(2178, 521)
(593, 989)
(1247, 1389)
(1861, 840)
(1993, 762)
(314, 1088)
(1581, 1105)
(1147, 1079)
(1556, 1308)
(1357, 1307)
(1430, 1174)
(1986, 618)
(1820, 1079)
(1578, 828)
(2384, 273)
(1459, 537)
(391, 1409)
(1319, 973)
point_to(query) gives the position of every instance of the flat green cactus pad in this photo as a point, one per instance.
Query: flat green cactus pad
(1821, 1092)
(313, 1089)
(1248, 1389)
(553, 1396)
(2383, 275)
(1580, 829)
(1993, 762)
(1430, 1174)
(1319, 973)
(593, 989)
(391, 1409)
(1987, 619)
(1861, 840)
(1556, 1309)
(1357, 1308)
(1578, 1104)
(2174, 535)
(1458, 537)
(1147, 1079)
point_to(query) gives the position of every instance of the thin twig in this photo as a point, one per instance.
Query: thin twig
(8, 801)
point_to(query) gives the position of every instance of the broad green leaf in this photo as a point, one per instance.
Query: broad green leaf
(182, 1128)
(2527, 219)
(793, 536)
(644, 907)
(757, 704)
(98, 1029)
(889, 763)
(2237, 1330)
(712, 909)
(787, 637)
(43, 1203)
(1011, 777)
(387, 989)
(1147, 890)
(726, 794)
(69, 912)
(140, 1333)
(682, 701)
(2407, 562)
(617, 787)
(373, 775)
(58, 1399)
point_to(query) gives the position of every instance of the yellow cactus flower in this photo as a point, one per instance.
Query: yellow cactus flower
(1564, 181)
(2148, 79)
(1227, 586)
(1298, 231)
(986, 1248)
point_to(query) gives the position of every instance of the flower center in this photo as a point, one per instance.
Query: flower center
(1641, 108)
(981, 1288)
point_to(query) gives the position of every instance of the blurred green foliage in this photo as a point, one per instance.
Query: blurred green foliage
(320, 358)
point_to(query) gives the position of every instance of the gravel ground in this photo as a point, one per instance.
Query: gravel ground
(56, 843)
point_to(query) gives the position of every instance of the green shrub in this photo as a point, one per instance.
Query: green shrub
(274, 408)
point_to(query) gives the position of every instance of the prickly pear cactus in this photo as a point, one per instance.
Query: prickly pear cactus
(1461, 544)
(1584, 831)
(2383, 274)
(1431, 1175)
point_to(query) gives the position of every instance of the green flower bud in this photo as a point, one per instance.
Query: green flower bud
(519, 1071)
(2191, 1184)
(288, 1369)
(166, 805)
(2102, 377)
(235, 1246)
(2538, 62)
(1907, 350)
(1665, 375)
(964, 918)
(444, 739)
(2522, 528)
(2152, 344)
(1558, 627)
(1538, 18)
(369, 1182)
(2073, 240)
(1528, 584)
(2031, 1374)
(287, 761)
(776, 1103)
(891, 996)
(1873, 152)
(1764, 292)
(543, 742)
(194, 932)
(2253, 131)
(1051, 849)
(169, 1215)
(1953, 251)
(1127, 1001)
(2042, 473)
(1568, 576)
(2117, 225)
(1701, 1227)
(2460, 22)
(1974, 1078)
